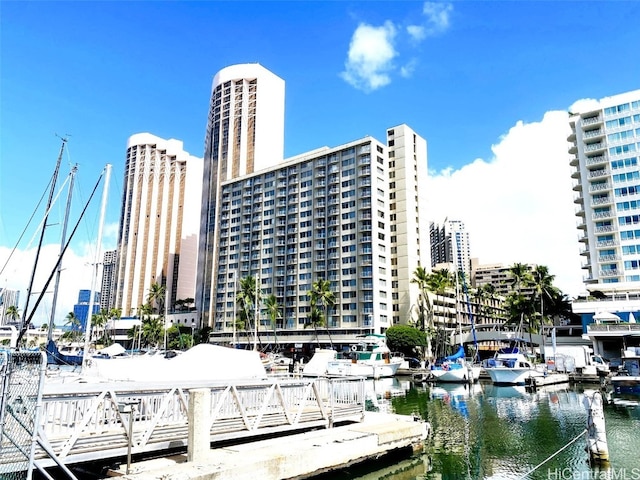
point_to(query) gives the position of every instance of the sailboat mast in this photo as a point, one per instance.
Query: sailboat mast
(54, 181)
(96, 264)
(62, 242)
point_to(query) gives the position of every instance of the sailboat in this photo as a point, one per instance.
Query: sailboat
(455, 369)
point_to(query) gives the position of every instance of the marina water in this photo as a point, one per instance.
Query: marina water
(503, 433)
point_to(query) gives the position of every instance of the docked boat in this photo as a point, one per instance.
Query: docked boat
(511, 367)
(370, 358)
(455, 369)
(627, 379)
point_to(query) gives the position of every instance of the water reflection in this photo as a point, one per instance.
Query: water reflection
(493, 433)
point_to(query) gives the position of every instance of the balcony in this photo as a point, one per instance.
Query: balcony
(602, 201)
(597, 160)
(593, 147)
(610, 273)
(591, 120)
(602, 215)
(599, 187)
(599, 173)
(596, 133)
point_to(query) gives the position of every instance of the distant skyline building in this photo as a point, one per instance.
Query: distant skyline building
(81, 309)
(245, 134)
(159, 222)
(108, 291)
(604, 149)
(450, 245)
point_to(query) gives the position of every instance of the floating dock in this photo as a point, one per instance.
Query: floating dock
(551, 379)
(297, 456)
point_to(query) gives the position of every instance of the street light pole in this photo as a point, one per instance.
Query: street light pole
(193, 327)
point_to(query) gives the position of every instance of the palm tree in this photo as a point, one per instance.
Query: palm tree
(315, 320)
(74, 323)
(438, 282)
(152, 331)
(542, 283)
(321, 294)
(13, 313)
(425, 308)
(520, 277)
(274, 313)
(247, 298)
(156, 296)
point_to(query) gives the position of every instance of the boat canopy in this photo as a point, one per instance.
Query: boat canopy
(455, 356)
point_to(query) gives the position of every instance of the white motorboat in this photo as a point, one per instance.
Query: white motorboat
(369, 358)
(511, 367)
(627, 379)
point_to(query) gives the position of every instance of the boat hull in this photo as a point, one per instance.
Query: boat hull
(626, 384)
(348, 368)
(512, 376)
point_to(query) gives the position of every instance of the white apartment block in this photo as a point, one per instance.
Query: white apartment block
(605, 148)
(337, 214)
(450, 245)
(159, 215)
(245, 134)
(407, 216)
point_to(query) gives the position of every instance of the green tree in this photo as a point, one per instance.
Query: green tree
(13, 313)
(315, 320)
(156, 296)
(321, 295)
(247, 299)
(425, 307)
(405, 339)
(274, 313)
(74, 325)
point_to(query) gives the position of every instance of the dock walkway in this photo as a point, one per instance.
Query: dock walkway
(297, 456)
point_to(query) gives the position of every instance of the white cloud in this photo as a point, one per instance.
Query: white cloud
(77, 274)
(438, 15)
(370, 57)
(518, 206)
(372, 50)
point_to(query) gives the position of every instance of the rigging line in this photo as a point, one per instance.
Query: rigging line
(553, 455)
(25, 324)
(24, 231)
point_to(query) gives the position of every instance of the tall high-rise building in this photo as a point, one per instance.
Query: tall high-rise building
(605, 149)
(335, 214)
(245, 134)
(605, 146)
(450, 244)
(160, 214)
(8, 298)
(107, 292)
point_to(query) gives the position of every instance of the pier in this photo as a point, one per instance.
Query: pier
(294, 456)
(215, 422)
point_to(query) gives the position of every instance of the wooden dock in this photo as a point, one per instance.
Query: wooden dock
(551, 379)
(296, 456)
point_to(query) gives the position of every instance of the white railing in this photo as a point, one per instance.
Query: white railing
(85, 422)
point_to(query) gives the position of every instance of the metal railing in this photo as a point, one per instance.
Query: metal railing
(85, 422)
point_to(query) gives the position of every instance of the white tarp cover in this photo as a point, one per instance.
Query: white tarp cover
(202, 362)
(112, 350)
(317, 366)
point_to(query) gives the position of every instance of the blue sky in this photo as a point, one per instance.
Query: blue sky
(487, 83)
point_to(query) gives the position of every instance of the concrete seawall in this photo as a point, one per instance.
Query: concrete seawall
(292, 456)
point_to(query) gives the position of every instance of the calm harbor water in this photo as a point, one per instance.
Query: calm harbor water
(504, 433)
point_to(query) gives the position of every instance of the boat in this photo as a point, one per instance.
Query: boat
(317, 365)
(455, 369)
(510, 366)
(627, 379)
(370, 358)
(70, 354)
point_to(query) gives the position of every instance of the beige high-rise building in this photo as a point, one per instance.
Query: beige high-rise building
(159, 222)
(245, 134)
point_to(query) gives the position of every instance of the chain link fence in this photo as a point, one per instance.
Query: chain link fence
(21, 380)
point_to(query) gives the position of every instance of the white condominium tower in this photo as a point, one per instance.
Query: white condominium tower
(245, 133)
(605, 149)
(335, 214)
(159, 222)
